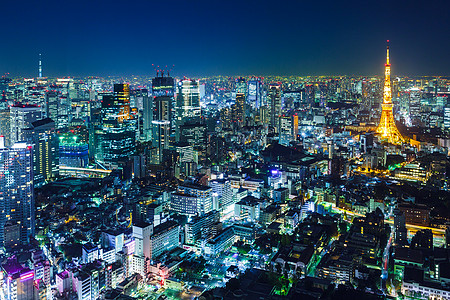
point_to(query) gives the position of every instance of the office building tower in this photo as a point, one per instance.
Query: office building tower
(194, 134)
(95, 131)
(238, 108)
(4, 83)
(288, 129)
(73, 152)
(188, 101)
(401, 233)
(254, 94)
(138, 97)
(141, 235)
(274, 98)
(52, 104)
(42, 135)
(446, 117)
(147, 113)
(17, 194)
(21, 117)
(118, 136)
(163, 114)
(187, 160)
(241, 86)
(5, 129)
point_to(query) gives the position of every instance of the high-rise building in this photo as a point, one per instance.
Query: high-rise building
(447, 117)
(17, 219)
(188, 159)
(5, 129)
(254, 94)
(238, 108)
(147, 113)
(52, 104)
(73, 152)
(42, 135)
(118, 136)
(141, 235)
(274, 98)
(288, 129)
(163, 115)
(21, 117)
(188, 101)
(194, 134)
(386, 127)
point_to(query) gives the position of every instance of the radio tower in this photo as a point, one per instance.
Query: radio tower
(386, 128)
(40, 66)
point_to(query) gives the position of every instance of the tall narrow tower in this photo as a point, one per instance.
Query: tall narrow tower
(386, 128)
(40, 66)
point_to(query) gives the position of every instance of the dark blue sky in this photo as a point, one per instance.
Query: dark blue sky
(224, 37)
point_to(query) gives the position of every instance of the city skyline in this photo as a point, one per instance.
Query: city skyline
(224, 150)
(206, 39)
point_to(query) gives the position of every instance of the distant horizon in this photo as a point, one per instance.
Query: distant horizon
(393, 76)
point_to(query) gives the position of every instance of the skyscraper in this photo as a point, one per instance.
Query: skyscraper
(287, 128)
(238, 109)
(147, 114)
(16, 194)
(163, 95)
(254, 95)
(118, 135)
(52, 104)
(5, 128)
(188, 101)
(447, 116)
(387, 128)
(21, 117)
(274, 95)
(45, 150)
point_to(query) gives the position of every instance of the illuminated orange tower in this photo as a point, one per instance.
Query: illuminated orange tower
(386, 128)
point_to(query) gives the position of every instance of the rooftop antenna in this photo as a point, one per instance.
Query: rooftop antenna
(157, 71)
(40, 66)
(168, 71)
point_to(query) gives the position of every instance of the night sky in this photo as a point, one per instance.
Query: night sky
(224, 37)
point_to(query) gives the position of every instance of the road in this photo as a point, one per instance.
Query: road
(436, 231)
(385, 264)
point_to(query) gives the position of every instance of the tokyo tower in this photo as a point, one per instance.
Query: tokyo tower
(386, 128)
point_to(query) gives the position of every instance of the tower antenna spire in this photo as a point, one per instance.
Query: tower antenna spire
(387, 53)
(40, 66)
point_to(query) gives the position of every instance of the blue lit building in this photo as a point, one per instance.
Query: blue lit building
(118, 134)
(17, 216)
(163, 114)
(73, 153)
